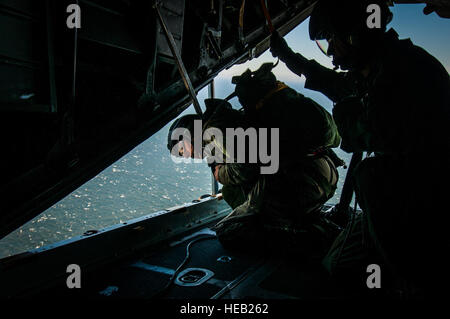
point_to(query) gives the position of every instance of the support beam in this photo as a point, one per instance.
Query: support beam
(184, 75)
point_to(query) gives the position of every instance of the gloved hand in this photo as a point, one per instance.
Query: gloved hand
(279, 46)
(294, 61)
(216, 172)
(442, 11)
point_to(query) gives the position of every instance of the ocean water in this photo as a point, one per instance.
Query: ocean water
(143, 181)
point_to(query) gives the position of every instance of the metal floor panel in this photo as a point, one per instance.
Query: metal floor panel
(150, 274)
(241, 276)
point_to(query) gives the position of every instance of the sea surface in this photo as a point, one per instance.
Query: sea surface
(143, 181)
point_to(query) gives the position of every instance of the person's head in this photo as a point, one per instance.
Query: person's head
(251, 87)
(180, 140)
(352, 29)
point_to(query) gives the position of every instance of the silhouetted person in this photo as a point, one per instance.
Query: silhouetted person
(394, 103)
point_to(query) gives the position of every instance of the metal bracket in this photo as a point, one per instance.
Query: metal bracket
(192, 277)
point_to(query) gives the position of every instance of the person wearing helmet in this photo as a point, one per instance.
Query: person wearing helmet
(235, 177)
(393, 101)
(242, 185)
(289, 200)
(269, 210)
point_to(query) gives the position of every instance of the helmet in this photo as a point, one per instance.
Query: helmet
(346, 23)
(187, 121)
(184, 122)
(252, 86)
(346, 18)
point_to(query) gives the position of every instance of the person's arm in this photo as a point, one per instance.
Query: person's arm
(236, 173)
(334, 85)
(228, 171)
